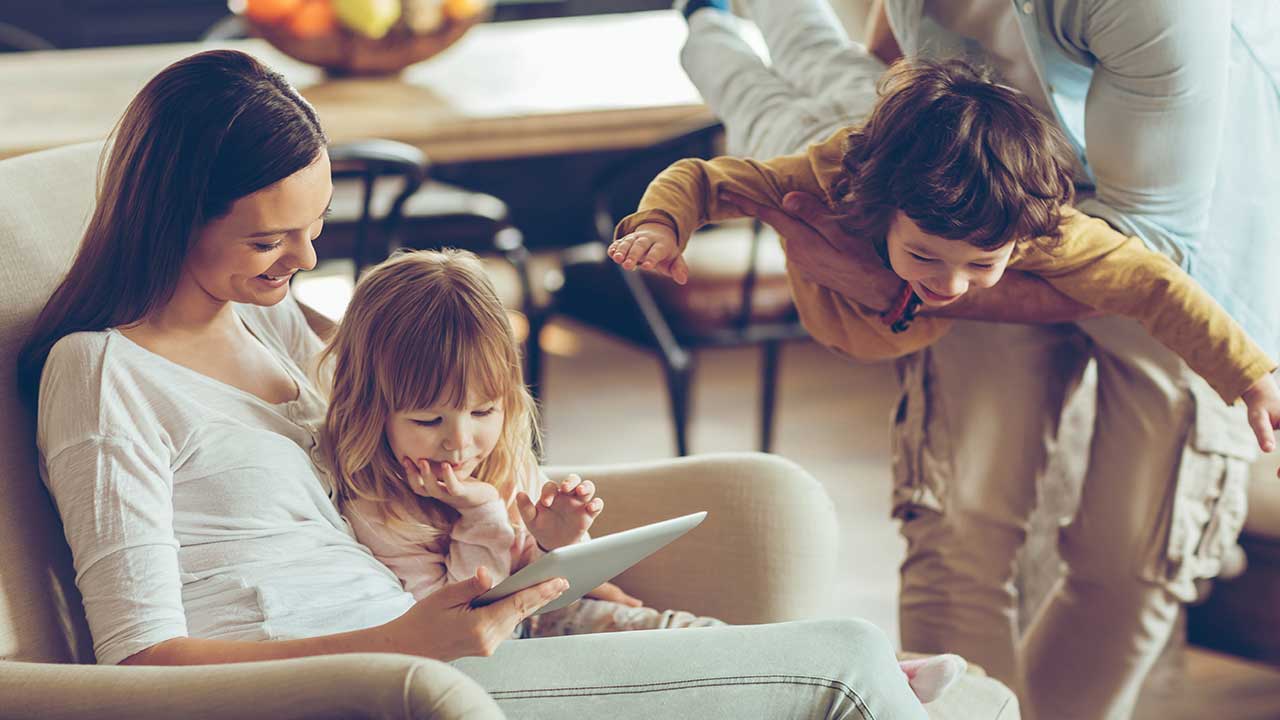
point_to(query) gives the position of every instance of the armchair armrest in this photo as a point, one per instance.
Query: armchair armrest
(765, 553)
(331, 686)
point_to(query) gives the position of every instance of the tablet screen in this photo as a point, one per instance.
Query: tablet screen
(589, 564)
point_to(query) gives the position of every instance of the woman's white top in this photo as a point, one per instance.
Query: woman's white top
(194, 508)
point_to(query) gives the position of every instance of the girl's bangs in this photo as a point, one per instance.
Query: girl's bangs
(439, 365)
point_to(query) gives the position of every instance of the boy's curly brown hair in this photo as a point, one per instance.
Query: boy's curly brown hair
(963, 157)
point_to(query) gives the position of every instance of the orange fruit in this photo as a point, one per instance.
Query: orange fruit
(269, 12)
(462, 9)
(314, 19)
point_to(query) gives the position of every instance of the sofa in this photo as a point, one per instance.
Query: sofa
(765, 553)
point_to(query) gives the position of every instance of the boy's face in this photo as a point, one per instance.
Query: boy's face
(941, 270)
(459, 437)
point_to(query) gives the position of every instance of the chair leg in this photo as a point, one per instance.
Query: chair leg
(533, 351)
(770, 356)
(510, 242)
(679, 388)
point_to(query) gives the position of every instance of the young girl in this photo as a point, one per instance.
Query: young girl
(430, 437)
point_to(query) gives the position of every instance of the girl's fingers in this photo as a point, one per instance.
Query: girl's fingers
(548, 494)
(451, 479)
(569, 484)
(438, 480)
(424, 468)
(447, 487)
(528, 512)
(412, 473)
(425, 483)
(586, 490)
(595, 507)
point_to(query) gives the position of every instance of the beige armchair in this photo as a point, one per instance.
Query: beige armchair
(765, 553)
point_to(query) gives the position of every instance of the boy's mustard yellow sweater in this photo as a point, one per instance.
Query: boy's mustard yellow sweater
(1093, 264)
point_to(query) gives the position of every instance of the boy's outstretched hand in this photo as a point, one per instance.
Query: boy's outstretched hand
(1263, 401)
(651, 247)
(562, 513)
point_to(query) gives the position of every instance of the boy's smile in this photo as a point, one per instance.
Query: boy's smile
(941, 270)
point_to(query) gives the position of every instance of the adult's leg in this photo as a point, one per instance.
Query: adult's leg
(810, 50)
(812, 669)
(1163, 499)
(977, 412)
(763, 115)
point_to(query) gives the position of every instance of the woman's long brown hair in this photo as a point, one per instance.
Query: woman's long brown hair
(206, 131)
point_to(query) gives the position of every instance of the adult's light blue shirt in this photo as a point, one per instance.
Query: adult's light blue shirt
(1174, 109)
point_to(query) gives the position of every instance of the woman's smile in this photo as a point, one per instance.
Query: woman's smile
(276, 281)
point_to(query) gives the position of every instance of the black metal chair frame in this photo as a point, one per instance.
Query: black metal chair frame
(376, 239)
(369, 160)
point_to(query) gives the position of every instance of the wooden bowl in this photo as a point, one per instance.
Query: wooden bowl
(346, 53)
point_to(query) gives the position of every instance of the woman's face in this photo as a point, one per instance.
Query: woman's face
(249, 254)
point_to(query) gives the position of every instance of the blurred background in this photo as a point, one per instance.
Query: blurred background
(525, 141)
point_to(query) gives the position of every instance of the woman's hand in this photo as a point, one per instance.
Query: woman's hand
(1263, 401)
(651, 247)
(613, 593)
(445, 626)
(562, 513)
(822, 251)
(441, 483)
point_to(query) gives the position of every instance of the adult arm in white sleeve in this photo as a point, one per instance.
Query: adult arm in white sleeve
(1154, 116)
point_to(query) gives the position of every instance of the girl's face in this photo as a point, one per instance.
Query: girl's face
(249, 254)
(458, 437)
(940, 270)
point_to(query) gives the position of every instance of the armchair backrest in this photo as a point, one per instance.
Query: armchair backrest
(45, 200)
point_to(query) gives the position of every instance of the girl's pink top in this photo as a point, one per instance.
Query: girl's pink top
(483, 535)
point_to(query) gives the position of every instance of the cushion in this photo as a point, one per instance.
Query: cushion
(45, 199)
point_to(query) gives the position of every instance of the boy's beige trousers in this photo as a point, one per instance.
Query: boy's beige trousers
(1163, 498)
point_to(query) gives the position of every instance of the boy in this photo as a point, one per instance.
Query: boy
(951, 179)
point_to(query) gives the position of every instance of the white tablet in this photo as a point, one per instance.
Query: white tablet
(588, 564)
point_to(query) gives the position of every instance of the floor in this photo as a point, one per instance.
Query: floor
(832, 420)
(604, 402)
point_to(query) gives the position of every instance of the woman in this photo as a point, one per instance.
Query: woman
(177, 427)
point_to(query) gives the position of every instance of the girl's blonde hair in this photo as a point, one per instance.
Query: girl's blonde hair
(423, 329)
